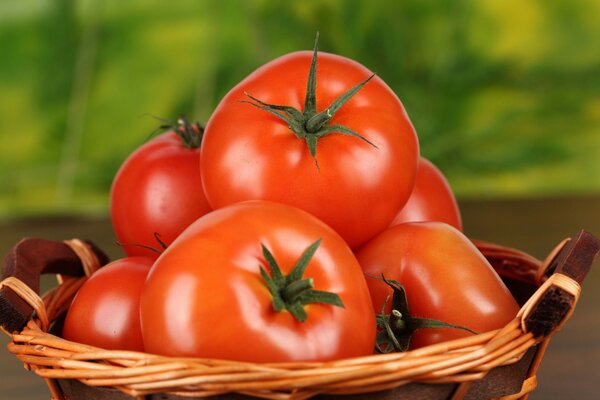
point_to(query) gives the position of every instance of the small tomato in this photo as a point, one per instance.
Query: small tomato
(157, 191)
(432, 199)
(105, 310)
(445, 276)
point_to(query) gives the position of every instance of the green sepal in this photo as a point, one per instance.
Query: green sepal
(278, 277)
(292, 123)
(293, 113)
(191, 134)
(320, 296)
(346, 131)
(397, 328)
(317, 121)
(308, 124)
(298, 311)
(161, 243)
(386, 335)
(302, 263)
(310, 100)
(292, 292)
(277, 301)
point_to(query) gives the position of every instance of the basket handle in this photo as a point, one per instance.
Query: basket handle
(554, 303)
(27, 261)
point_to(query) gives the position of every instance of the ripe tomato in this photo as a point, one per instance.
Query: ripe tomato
(209, 294)
(158, 190)
(432, 199)
(105, 310)
(446, 278)
(333, 159)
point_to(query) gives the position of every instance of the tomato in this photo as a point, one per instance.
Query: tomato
(350, 162)
(105, 310)
(432, 199)
(210, 293)
(445, 276)
(158, 191)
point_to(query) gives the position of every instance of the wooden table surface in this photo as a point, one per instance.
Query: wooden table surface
(570, 369)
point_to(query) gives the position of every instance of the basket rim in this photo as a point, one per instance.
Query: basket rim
(459, 361)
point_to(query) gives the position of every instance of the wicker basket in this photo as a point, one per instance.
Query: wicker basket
(499, 364)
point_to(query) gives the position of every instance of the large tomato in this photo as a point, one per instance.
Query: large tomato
(105, 312)
(216, 293)
(158, 190)
(445, 276)
(432, 199)
(349, 158)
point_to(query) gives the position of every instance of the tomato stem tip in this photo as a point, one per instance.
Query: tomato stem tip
(396, 329)
(309, 124)
(191, 134)
(292, 292)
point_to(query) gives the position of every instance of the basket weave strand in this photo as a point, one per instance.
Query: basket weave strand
(137, 374)
(561, 281)
(30, 297)
(56, 358)
(89, 261)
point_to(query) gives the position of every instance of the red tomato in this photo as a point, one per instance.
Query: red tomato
(446, 278)
(158, 190)
(105, 311)
(354, 184)
(432, 199)
(206, 295)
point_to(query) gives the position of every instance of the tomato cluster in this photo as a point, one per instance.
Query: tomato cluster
(300, 218)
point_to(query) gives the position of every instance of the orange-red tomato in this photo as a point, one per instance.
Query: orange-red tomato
(249, 153)
(105, 311)
(206, 297)
(157, 190)
(432, 199)
(445, 276)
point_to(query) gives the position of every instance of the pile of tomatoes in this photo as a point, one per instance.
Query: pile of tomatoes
(283, 229)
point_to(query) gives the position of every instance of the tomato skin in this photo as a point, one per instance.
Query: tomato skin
(205, 296)
(248, 153)
(105, 310)
(445, 277)
(157, 189)
(432, 199)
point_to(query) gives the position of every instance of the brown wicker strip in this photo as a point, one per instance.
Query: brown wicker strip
(462, 361)
(30, 297)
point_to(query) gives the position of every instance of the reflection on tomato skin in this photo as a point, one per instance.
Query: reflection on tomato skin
(157, 190)
(445, 277)
(432, 199)
(205, 297)
(248, 153)
(105, 311)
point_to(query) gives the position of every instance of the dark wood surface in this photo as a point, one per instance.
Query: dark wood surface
(570, 369)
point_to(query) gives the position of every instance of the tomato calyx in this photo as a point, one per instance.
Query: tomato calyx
(161, 243)
(292, 292)
(397, 328)
(309, 124)
(190, 133)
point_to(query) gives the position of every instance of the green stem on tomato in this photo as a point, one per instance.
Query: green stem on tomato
(397, 328)
(309, 124)
(158, 239)
(292, 292)
(191, 134)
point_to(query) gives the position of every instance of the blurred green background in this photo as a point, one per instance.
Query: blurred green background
(505, 95)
